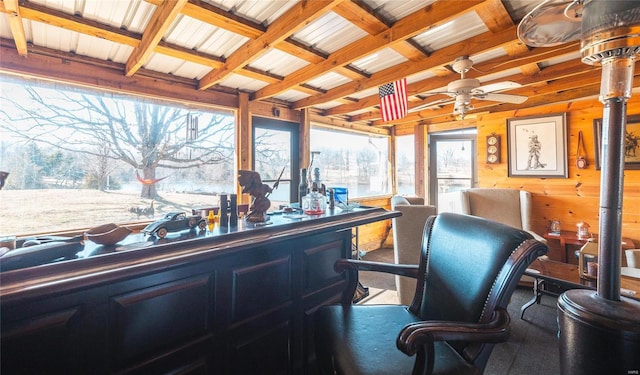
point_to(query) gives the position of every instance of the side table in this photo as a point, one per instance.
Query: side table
(553, 278)
(569, 242)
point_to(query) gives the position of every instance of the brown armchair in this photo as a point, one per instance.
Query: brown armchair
(469, 267)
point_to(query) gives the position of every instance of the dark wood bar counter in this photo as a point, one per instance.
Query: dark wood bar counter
(234, 301)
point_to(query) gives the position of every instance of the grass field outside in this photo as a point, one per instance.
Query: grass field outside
(28, 212)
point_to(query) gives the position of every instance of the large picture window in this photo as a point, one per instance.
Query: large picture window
(77, 158)
(356, 161)
(405, 165)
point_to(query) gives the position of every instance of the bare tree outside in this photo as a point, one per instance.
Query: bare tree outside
(102, 129)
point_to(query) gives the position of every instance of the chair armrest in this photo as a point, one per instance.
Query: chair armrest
(352, 266)
(414, 335)
(418, 338)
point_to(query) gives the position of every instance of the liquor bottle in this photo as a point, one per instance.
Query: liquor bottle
(303, 187)
(224, 205)
(332, 199)
(233, 210)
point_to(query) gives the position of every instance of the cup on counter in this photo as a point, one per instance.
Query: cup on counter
(8, 242)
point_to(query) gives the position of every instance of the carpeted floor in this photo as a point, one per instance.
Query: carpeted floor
(533, 345)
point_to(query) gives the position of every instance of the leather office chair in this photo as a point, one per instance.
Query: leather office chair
(469, 268)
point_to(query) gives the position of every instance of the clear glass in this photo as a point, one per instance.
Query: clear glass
(354, 161)
(272, 155)
(405, 165)
(79, 158)
(454, 160)
(452, 165)
(314, 203)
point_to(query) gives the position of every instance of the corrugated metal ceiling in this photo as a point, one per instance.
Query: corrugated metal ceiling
(327, 37)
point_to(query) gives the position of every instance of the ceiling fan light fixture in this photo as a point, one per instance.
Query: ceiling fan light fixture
(462, 65)
(464, 90)
(463, 86)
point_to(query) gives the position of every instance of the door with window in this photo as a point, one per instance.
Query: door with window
(275, 157)
(452, 163)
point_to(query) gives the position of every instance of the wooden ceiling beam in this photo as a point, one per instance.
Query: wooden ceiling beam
(190, 55)
(408, 27)
(557, 78)
(480, 43)
(532, 56)
(362, 16)
(293, 20)
(16, 26)
(297, 49)
(409, 50)
(217, 17)
(48, 16)
(552, 96)
(160, 21)
(38, 13)
(495, 16)
(83, 71)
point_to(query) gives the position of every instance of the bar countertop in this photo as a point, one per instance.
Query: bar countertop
(137, 254)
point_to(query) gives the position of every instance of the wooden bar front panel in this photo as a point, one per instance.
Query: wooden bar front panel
(243, 312)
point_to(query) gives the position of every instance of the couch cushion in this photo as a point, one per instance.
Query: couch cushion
(501, 205)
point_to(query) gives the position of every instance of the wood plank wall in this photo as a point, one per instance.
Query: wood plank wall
(576, 198)
(570, 200)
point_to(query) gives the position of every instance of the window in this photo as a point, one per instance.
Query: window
(276, 156)
(405, 165)
(78, 158)
(452, 163)
(356, 161)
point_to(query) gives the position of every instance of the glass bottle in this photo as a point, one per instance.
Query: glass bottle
(303, 187)
(317, 183)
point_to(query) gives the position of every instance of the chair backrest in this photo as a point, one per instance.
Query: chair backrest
(469, 266)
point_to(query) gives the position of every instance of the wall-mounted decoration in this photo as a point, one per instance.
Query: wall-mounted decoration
(537, 146)
(493, 149)
(631, 142)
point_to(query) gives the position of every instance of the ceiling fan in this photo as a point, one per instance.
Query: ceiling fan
(465, 89)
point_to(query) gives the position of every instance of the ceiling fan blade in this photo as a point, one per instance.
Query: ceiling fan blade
(504, 85)
(429, 93)
(505, 98)
(435, 104)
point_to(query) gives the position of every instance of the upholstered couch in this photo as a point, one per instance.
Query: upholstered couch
(507, 206)
(407, 239)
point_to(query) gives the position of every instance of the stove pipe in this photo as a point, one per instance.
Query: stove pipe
(611, 37)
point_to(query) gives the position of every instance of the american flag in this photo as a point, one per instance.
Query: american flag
(393, 100)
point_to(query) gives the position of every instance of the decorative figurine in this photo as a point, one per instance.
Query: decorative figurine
(173, 222)
(252, 184)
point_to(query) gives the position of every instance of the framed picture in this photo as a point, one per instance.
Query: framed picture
(631, 142)
(537, 146)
